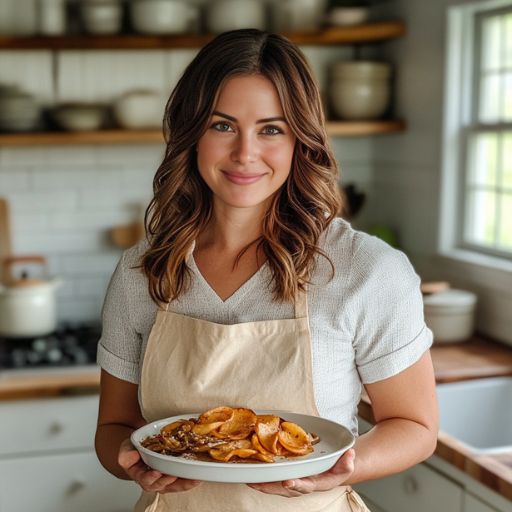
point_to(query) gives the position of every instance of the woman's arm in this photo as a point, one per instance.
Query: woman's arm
(406, 415)
(119, 415)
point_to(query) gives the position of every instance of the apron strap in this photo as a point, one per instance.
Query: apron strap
(301, 304)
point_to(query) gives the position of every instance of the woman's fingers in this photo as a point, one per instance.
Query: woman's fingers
(128, 456)
(336, 476)
(149, 479)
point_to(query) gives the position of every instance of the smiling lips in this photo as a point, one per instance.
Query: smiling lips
(242, 178)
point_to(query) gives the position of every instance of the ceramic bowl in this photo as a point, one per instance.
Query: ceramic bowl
(101, 16)
(79, 117)
(347, 16)
(139, 109)
(163, 16)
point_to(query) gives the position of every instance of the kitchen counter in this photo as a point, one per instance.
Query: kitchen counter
(15, 385)
(452, 362)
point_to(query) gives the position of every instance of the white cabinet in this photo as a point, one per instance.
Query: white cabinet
(472, 504)
(47, 459)
(420, 488)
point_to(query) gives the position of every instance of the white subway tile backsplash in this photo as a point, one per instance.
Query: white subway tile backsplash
(29, 222)
(14, 180)
(91, 286)
(79, 309)
(67, 289)
(73, 154)
(91, 264)
(59, 242)
(103, 76)
(76, 176)
(148, 156)
(25, 155)
(43, 201)
(30, 70)
(92, 220)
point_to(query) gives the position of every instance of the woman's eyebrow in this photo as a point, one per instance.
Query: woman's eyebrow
(234, 119)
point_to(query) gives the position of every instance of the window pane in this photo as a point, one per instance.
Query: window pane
(491, 32)
(483, 160)
(508, 40)
(507, 97)
(481, 215)
(505, 230)
(507, 161)
(489, 110)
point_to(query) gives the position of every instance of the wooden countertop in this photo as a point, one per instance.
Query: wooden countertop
(452, 362)
(15, 385)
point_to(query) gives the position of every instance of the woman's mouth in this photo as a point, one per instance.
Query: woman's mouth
(242, 178)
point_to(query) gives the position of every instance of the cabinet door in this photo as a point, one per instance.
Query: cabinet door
(420, 489)
(30, 426)
(62, 483)
(472, 504)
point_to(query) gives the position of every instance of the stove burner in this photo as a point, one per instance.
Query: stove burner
(67, 346)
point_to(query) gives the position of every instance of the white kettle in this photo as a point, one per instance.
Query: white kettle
(28, 306)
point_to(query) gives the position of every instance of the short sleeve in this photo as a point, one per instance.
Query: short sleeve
(391, 334)
(120, 345)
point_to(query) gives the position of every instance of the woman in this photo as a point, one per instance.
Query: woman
(250, 292)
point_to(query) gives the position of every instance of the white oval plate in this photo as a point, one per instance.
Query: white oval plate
(335, 439)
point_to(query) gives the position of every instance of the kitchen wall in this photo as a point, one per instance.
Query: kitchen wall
(64, 199)
(407, 167)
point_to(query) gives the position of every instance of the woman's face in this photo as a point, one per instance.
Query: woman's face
(246, 153)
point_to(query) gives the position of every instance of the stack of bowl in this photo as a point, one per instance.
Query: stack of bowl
(101, 17)
(139, 109)
(79, 117)
(163, 16)
(360, 90)
(19, 111)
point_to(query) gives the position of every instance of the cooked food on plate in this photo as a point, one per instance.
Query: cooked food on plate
(227, 434)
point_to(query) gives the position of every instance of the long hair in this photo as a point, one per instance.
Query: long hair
(181, 206)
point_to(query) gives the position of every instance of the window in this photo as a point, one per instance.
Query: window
(477, 187)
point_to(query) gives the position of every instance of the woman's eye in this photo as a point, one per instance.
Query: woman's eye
(221, 127)
(272, 130)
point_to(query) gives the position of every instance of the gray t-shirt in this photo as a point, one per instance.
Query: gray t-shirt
(366, 322)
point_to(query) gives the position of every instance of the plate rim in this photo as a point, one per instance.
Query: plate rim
(247, 465)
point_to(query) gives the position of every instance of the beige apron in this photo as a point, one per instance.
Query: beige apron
(192, 365)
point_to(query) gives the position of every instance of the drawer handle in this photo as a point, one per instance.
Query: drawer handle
(410, 485)
(56, 428)
(75, 487)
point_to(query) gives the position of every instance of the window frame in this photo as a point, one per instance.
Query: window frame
(462, 77)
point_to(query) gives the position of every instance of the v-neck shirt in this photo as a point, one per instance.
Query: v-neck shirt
(237, 296)
(366, 322)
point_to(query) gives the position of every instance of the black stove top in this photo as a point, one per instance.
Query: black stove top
(69, 345)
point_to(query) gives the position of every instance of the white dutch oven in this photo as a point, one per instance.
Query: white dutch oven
(450, 315)
(28, 306)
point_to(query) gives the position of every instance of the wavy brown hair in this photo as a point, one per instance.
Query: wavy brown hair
(182, 203)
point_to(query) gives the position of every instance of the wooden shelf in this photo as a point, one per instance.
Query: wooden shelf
(334, 128)
(367, 33)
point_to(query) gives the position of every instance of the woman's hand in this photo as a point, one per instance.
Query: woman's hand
(326, 481)
(149, 479)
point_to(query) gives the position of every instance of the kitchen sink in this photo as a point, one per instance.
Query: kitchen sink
(478, 413)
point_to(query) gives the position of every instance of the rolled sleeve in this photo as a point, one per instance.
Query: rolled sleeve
(120, 344)
(391, 334)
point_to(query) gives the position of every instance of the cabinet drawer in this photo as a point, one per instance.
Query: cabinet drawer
(420, 489)
(40, 425)
(63, 483)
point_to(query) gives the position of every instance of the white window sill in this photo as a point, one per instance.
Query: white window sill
(481, 260)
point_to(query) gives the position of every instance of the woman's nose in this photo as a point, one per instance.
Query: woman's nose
(245, 149)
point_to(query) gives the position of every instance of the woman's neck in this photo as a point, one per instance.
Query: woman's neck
(230, 230)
